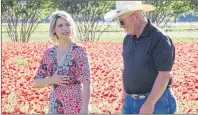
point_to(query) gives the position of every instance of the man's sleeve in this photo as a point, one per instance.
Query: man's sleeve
(164, 54)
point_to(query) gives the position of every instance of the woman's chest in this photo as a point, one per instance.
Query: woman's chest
(65, 66)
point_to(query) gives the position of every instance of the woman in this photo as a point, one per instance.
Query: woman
(65, 67)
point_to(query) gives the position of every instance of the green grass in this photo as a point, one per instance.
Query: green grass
(107, 37)
(45, 27)
(34, 37)
(177, 33)
(120, 38)
(22, 62)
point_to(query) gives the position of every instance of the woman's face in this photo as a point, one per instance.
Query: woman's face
(63, 28)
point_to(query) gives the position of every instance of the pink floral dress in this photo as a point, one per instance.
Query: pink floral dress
(66, 99)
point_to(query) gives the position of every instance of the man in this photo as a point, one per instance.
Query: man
(148, 55)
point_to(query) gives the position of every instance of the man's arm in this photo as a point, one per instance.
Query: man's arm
(159, 87)
(163, 57)
(122, 98)
(123, 93)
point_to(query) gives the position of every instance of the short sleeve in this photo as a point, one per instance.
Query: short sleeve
(83, 67)
(42, 69)
(164, 54)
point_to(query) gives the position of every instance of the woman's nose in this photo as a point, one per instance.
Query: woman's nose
(64, 27)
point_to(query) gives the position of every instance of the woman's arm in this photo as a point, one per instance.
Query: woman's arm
(42, 78)
(55, 79)
(86, 97)
(42, 82)
(84, 76)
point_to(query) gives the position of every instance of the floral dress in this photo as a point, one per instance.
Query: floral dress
(66, 99)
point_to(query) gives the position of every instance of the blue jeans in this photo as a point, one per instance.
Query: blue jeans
(165, 105)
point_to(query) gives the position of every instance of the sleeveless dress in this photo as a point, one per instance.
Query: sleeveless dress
(66, 99)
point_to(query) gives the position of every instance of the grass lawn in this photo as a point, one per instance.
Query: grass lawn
(45, 27)
(177, 33)
(113, 37)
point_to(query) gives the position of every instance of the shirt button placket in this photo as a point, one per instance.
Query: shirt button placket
(136, 44)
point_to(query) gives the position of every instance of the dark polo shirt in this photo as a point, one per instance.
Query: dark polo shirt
(143, 57)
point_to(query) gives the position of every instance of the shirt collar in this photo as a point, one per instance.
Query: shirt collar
(145, 32)
(147, 29)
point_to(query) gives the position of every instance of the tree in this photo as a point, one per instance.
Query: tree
(21, 17)
(88, 15)
(194, 5)
(167, 11)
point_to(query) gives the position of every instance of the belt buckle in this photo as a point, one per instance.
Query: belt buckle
(135, 96)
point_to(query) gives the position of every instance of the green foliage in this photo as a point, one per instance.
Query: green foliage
(194, 6)
(27, 13)
(22, 62)
(168, 10)
(87, 14)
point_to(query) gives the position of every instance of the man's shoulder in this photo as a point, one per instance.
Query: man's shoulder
(159, 34)
(158, 31)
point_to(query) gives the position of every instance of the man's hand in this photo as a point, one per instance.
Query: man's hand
(147, 108)
(158, 89)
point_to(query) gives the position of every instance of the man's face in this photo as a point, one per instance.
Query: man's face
(128, 22)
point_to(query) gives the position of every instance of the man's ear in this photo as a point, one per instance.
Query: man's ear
(134, 17)
(137, 15)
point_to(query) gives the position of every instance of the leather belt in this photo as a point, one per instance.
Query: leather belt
(137, 96)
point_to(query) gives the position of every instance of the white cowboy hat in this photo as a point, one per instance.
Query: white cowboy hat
(123, 7)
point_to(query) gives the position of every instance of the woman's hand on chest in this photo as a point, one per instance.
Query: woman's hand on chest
(61, 80)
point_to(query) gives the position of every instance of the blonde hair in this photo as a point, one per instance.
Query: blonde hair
(53, 19)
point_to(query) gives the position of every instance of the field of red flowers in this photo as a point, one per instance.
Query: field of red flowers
(20, 61)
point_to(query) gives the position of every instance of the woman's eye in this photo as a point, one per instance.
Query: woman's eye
(60, 25)
(67, 25)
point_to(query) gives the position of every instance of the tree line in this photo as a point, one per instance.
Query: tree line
(23, 16)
